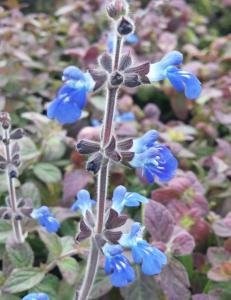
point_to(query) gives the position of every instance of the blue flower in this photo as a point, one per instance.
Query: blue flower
(36, 296)
(125, 117)
(151, 259)
(182, 81)
(117, 266)
(152, 158)
(131, 39)
(123, 198)
(71, 98)
(83, 202)
(45, 218)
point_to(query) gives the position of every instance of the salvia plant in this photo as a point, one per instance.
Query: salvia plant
(103, 219)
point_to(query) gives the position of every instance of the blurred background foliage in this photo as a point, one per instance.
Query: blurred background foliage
(38, 39)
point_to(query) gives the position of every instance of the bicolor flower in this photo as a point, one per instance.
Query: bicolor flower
(152, 158)
(71, 98)
(117, 266)
(45, 218)
(151, 259)
(123, 198)
(83, 202)
(36, 296)
(182, 81)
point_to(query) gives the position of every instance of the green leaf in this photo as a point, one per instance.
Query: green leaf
(5, 230)
(30, 190)
(52, 243)
(144, 288)
(9, 297)
(28, 149)
(68, 266)
(66, 291)
(20, 255)
(47, 172)
(48, 285)
(23, 279)
(53, 149)
(68, 244)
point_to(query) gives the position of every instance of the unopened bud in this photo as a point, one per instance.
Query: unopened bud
(125, 26)
(5, 120)
(116, 78)
(117, 8)
(94, 163)
(87, 147)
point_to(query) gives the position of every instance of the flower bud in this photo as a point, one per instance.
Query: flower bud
(5, 120)
(116, 79)
(117, 8)
(125, 26)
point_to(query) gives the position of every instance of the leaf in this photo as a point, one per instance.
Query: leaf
(31, 191)
(65, 291)
(174, 281)
(144, 288)
(159, 221)
(53, 149)
(68, 266)
(52, 243)
(182, 242)
(73, 182)
(48, 285)
(223, 227)
(5, 230)
(101, 286)
(22, 279)
(28, 149)
(20, 255)
(47, 172)
(68, 244)
(217, 255)
(204, 297)
(9, 297)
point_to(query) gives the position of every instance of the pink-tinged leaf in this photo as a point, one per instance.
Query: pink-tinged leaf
(182, 242)
(204, 297)
(73, 182)
(217, 255)
(220, 273)
(223, 227)
(159, 221)
(174, 281)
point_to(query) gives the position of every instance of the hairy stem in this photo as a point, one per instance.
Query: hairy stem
(102, 182)
(16, 224)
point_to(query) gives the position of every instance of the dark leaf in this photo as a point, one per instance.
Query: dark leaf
(125, 62)
(159, 221)
(106, 61)
(125, 144)
(141, 70)
(115, 220)
(174, 281)
(113, 236)
(99, 77)
(132, 80)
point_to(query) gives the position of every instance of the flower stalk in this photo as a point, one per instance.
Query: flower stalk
(102, 181)
(11, 174)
